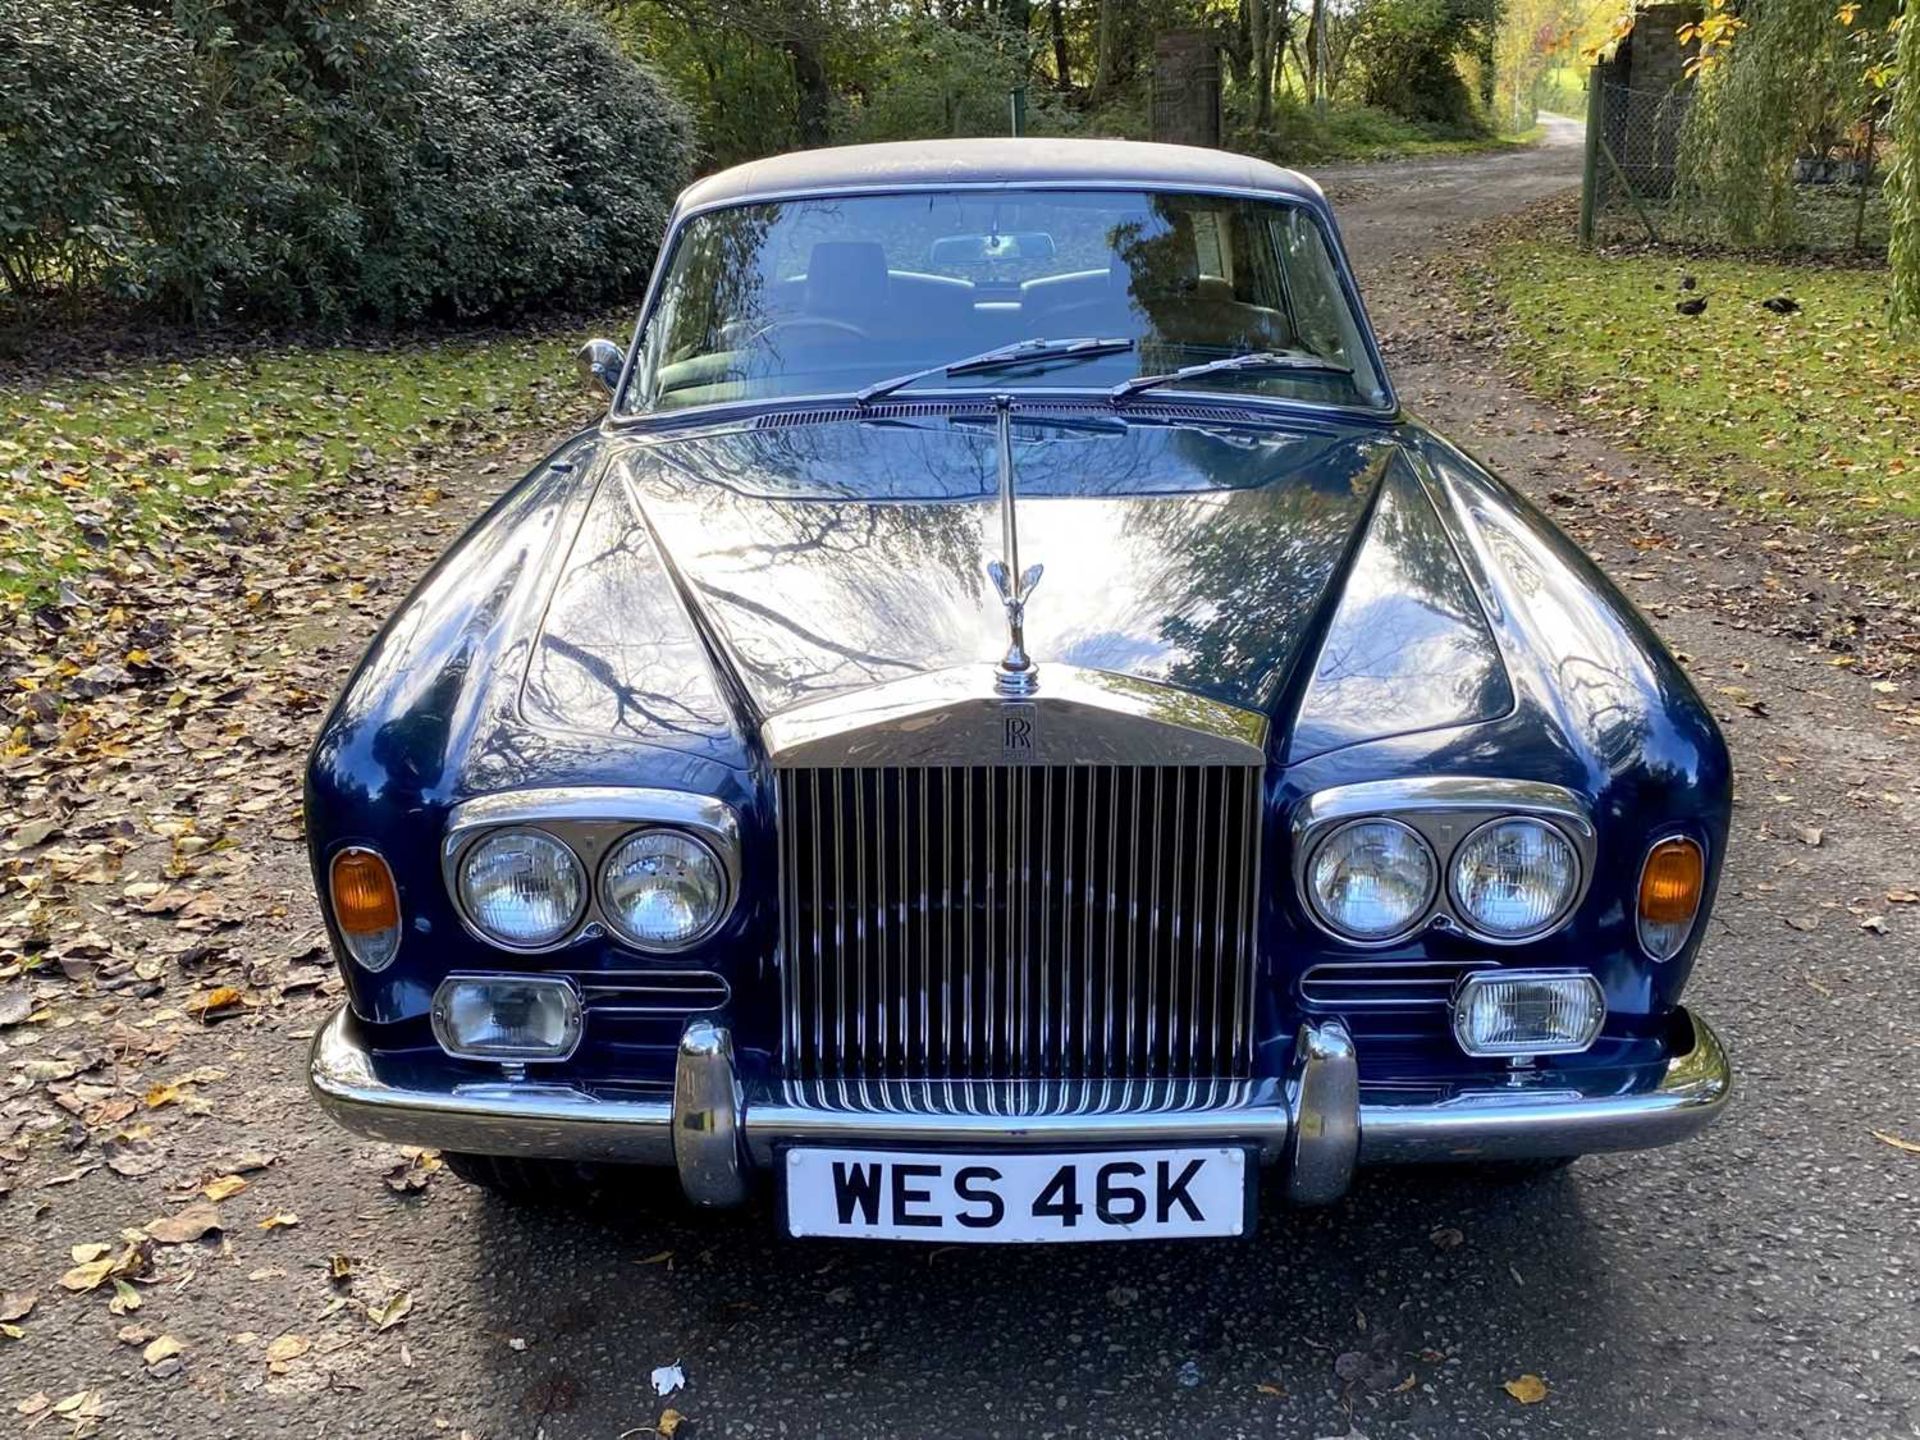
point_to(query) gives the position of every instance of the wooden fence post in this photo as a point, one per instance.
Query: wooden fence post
(1590, 170)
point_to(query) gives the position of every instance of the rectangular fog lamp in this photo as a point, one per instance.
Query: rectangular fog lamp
(506, 1017)
(1527, 1012)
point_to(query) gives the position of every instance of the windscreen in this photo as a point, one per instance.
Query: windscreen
(824, 296)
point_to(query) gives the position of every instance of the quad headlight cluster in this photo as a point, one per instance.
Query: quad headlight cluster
(1511, 878)
(658, 888)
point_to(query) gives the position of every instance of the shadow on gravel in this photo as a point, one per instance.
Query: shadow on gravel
(1320, 1313)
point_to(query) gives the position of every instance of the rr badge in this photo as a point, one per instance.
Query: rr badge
(1017, 732)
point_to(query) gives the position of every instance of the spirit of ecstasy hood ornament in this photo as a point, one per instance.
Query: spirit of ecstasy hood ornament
(1015, 675)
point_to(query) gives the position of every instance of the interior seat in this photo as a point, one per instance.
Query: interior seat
(847, 280)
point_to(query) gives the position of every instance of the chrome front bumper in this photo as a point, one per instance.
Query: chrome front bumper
(1319, 1124)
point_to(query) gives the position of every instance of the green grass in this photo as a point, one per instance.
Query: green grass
(1300, 135)
(1817, 412)
(91, 465)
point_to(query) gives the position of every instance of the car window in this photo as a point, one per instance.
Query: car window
(824, 296)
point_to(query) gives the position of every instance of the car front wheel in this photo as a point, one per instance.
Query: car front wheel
(550, 1182)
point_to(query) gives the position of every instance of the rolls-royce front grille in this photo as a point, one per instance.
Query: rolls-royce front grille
(1018, 922)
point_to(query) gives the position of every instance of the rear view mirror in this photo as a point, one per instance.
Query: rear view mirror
(983, 249)
(601, 362)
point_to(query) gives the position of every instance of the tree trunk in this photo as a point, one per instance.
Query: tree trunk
(815, 110)
(1104, 46)
(1062, 80)
(1315, 78)
(1262, 68)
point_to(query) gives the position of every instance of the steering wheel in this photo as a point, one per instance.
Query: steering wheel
(817, 322)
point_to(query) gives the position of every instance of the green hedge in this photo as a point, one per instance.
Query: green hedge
(320, 160)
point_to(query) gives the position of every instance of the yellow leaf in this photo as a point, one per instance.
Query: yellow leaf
(206, 1003)
(222, 1186)
(160, 1095)
(288, 1347)
(161, 1349)
(125, 1300)
(280, 1220)
(1912, 1147)
(1528, 1389)
(87, 1254)
(669, 1422)
(386, 1316)
(89, 1276)
(81, 1405)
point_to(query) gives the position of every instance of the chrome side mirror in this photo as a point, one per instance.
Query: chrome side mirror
(601, 362)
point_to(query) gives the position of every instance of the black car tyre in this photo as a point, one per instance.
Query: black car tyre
(551, 1182)
(1519, 1172)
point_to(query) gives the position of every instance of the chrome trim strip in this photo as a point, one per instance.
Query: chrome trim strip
(536, 1120)
(775, 1120)
(706, 1117)
(592, 820)
(1085, 717)
(1323, 1103)
(1444, 810)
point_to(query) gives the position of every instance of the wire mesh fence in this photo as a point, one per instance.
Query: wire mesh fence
(1633, 188)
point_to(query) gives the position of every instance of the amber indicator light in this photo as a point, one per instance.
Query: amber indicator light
(1670, 883)
(364, 900)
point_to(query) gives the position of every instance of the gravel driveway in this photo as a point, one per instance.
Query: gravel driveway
(1762, 1281)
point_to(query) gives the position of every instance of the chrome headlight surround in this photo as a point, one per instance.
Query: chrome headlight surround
(1421, 849)
(592, 821)
(616, 919)
(1445, 811)
(566, 870)
(1478, 923)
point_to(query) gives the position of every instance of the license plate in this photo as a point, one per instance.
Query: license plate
(1014, 1198)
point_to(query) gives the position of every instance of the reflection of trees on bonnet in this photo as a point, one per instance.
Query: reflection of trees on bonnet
(817, 594)
(1238, 592)
(1408, 649)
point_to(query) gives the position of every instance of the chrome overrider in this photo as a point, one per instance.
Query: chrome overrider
(1317, 1126)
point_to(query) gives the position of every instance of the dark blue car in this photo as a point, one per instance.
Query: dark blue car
(1006, 729)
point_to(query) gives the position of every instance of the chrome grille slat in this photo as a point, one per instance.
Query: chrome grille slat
(1085, 922)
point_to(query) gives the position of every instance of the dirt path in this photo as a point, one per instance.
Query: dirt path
(1408, 208)
(1759, 1282)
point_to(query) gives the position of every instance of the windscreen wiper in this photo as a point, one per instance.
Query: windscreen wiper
(1259, 360)
(1080, 347)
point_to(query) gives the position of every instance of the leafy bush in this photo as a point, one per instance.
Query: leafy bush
(545, 165)
(317, 160)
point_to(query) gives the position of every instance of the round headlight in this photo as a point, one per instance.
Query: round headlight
(522, 888)
(1514, 877)
(1372, 879)
(663, 889)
